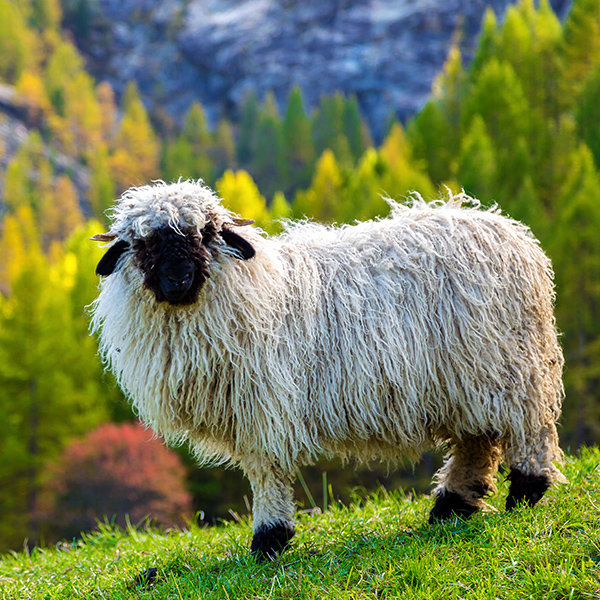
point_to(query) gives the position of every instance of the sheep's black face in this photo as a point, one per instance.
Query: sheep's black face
(175, 266)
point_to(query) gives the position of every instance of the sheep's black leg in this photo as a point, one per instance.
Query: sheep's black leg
(269, 541)
(525, 489)
(466, 477)
(273, 507)
(532, 466)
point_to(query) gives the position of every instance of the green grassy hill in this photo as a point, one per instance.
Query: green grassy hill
(380, 548)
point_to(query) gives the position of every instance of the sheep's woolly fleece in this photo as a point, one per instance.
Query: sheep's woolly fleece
(374, 340)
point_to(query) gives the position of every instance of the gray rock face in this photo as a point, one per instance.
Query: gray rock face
(386, 52)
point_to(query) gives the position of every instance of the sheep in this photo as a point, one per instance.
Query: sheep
(378, 340)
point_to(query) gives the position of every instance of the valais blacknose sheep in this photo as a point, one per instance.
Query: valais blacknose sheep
(372, 341)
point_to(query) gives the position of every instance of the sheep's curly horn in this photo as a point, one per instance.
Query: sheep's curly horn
(240, 222)
(104, 237)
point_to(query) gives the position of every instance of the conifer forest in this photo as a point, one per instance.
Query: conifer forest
(519, 126)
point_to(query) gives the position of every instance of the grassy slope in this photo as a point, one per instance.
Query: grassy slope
(382, 549)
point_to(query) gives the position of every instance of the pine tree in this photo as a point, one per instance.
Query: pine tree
(355, 129)
(476, 172)
(33, 94)
(431, 137)
(62, 68)
(487, 43)
(434, 133)
(247, 133)
(268, 163)
(297, 136)
(449, 87)
(189, 156)
(102, 186)
(581, 48)
(81, 130)
(498, 97)
(575, 248)
(60, 214)
(587, 114)
(45, 14)
(108, 110)
(17, 183)
(223, 150)
(17, 44)
(529, 40)
(178, 160)
(364, 194)
(527, 207)
(135, 158)
(196, 130)
(200, 139)
(19, 237)
(78, 17)
(78, 267)
(323, 200)
(328, 130)
(402, 173)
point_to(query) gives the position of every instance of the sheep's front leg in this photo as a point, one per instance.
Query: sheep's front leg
(272, 510)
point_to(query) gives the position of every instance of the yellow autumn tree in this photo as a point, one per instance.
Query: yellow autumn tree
(323, 200)
(17, 44)
(135, 159)
(19, 238)
(280, 209)
(83, 114)
(76, 122)
(102, 186)
(60, 213)
(108, 110)
(404, 174)
(32, 93)
(240, 195)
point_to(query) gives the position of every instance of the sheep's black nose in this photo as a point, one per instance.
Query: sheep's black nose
(176, 285)
(180, 281)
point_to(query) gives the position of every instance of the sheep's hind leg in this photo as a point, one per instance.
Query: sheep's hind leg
(272, 511)
(466, 478)
(532, 469)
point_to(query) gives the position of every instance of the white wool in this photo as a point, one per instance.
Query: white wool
(372, 340)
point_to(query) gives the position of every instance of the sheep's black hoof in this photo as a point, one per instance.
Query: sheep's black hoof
(450, 504)
(525, 489)
(270, 541)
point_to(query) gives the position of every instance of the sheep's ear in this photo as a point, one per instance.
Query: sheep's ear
(109, 261)
(238, 242)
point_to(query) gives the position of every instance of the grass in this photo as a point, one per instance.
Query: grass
(378, 548)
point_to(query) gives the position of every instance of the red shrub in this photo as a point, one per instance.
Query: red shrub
(116, 470)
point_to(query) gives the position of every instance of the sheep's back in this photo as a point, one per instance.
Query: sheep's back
(437, 320)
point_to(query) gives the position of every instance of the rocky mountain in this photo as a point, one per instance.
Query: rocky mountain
(386, 52)
(16, 125)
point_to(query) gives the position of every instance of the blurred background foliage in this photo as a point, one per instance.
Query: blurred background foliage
(519, 127)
